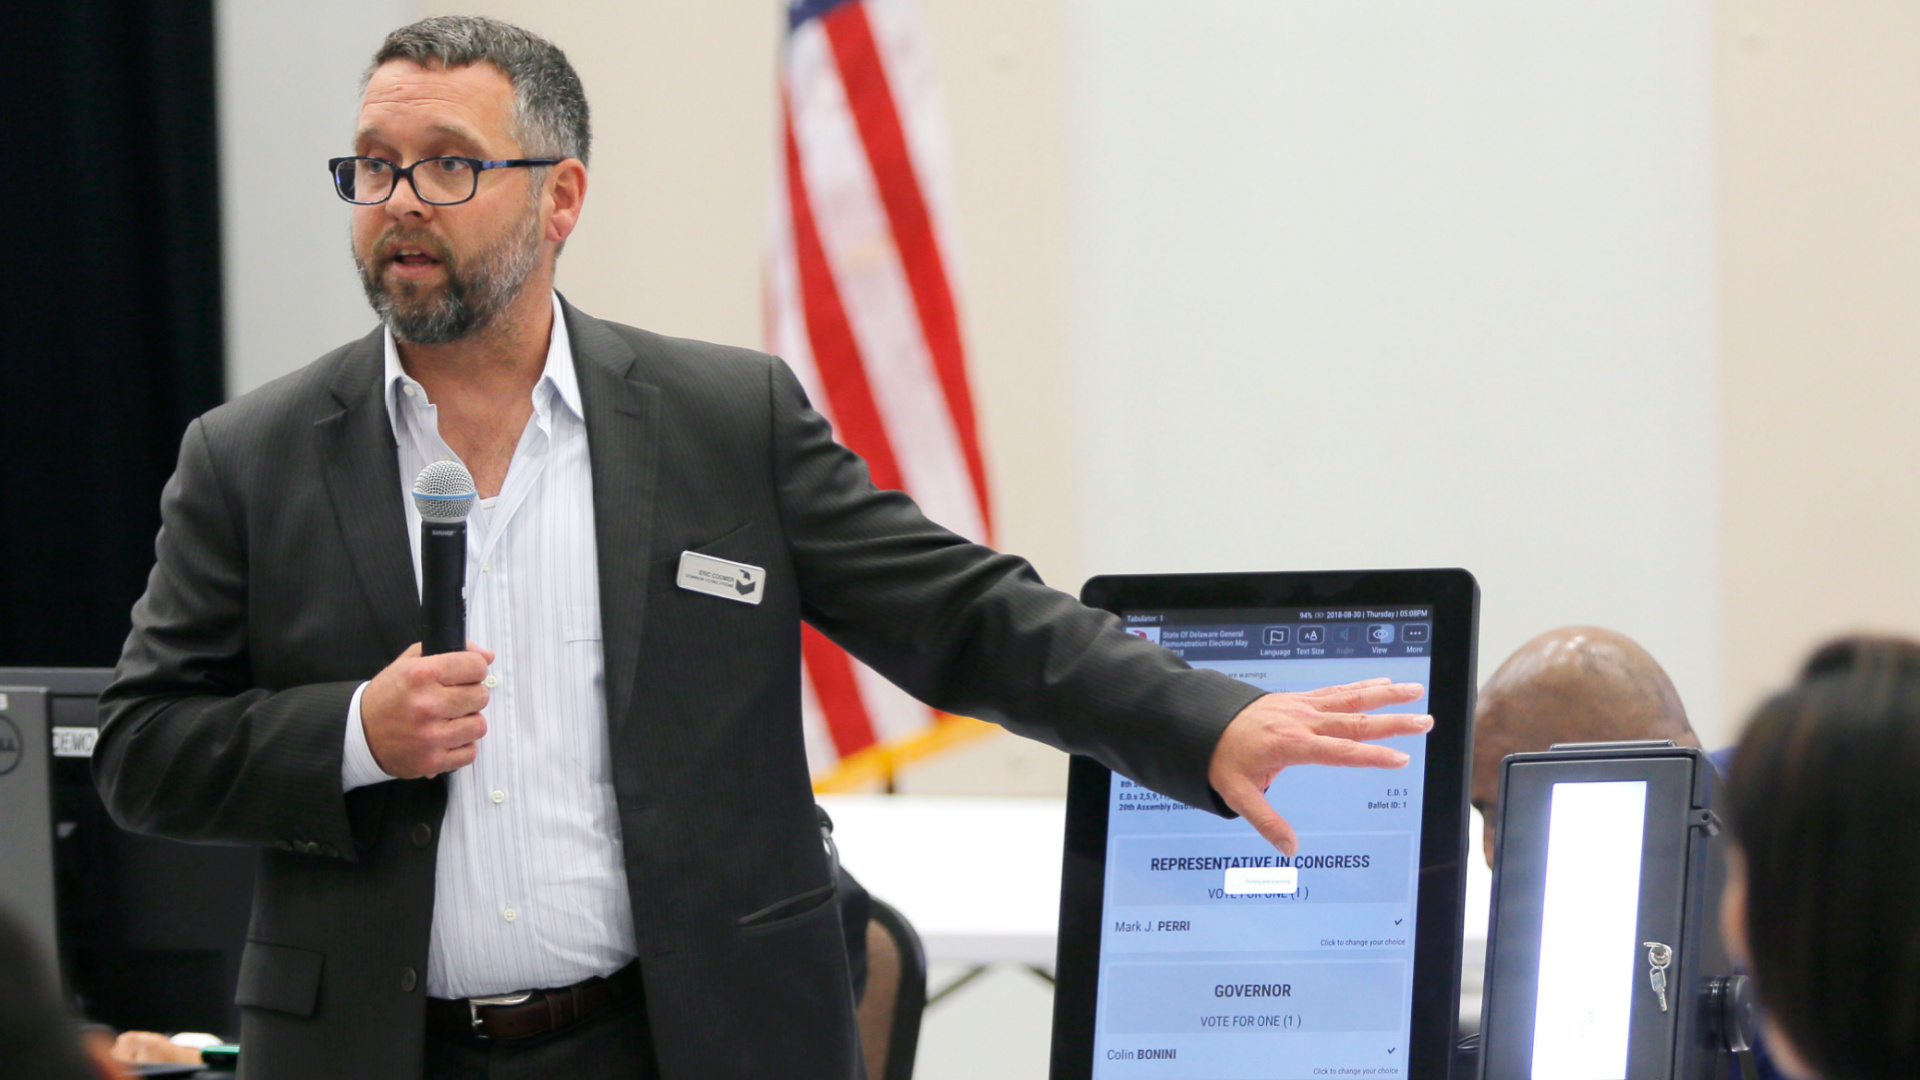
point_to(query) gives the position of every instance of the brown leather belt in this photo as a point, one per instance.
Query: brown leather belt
(509, 1017)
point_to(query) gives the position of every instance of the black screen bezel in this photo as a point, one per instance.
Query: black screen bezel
(1439, 916)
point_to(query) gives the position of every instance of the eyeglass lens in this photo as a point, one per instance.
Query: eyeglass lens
(437, 180)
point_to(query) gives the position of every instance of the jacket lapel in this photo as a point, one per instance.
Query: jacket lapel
(623, 434)
(361, 467)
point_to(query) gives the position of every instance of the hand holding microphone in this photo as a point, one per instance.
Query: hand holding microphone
(422, 714)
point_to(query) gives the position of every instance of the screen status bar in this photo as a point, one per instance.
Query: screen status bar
(1288, 633)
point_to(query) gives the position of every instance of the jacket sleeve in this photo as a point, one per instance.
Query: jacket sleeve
(975, 632)
(189, 748)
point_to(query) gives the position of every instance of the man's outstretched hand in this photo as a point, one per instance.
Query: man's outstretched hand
(1318, 727)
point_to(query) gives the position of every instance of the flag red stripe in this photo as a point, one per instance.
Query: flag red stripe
(836, 358)
(871, 100)
(838, 690)
(836, 355)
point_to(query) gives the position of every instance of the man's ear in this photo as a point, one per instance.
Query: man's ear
(566, 194)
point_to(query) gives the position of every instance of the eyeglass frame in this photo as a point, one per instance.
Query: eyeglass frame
(399, 173)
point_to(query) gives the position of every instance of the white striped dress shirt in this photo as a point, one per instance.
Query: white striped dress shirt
(530, 889)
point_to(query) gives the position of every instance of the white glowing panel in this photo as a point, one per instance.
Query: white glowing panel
(1588, 949)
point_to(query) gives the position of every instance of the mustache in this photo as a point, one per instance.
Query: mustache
(396, 238)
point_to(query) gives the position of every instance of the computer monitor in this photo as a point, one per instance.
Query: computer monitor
(1190, 947)
(148, 932)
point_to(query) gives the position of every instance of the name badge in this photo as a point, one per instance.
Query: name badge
(720, 577)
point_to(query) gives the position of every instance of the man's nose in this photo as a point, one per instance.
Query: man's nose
(406, 201)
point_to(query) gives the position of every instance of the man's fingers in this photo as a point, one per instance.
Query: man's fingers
(1330, 751)
(1343, 687)
(1369, 698)
(458, 668)
(458, 757)
(441, 703)
(1366, 728)
(461, 700)
(461, 730)
(1251, 803)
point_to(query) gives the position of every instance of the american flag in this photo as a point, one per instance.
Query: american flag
(860, 301)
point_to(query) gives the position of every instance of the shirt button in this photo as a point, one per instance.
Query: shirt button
(487, 567)
(490, 681)
(509, 914)
(407, 389)
(499, 796)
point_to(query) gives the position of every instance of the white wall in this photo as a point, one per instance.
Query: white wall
(683, 104)
(1818, 140)
(1365, 283)
(288, 93)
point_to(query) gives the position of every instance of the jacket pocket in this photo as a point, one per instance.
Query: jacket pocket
(279, 977)
(782, 912)
(739, 544)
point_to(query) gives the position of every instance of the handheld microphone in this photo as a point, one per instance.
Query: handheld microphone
(444, 494)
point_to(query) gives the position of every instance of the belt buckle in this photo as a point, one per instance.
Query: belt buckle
(473, 1007)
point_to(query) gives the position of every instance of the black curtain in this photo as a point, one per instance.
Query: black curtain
(110, 290)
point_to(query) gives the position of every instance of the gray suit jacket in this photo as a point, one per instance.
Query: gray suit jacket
(284, 579)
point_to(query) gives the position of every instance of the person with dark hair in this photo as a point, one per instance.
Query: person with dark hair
(38, 1040)
(586, 846)
(1863, 653)
(1822, 905)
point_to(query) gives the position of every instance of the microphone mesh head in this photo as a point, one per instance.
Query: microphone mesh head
(444, 492)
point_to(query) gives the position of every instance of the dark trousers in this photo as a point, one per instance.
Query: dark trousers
(615, 1045)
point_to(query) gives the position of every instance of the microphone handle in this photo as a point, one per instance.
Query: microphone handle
(443, 587)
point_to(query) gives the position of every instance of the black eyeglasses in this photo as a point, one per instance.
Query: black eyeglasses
(442, 181)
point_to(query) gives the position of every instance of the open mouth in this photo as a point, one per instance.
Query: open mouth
(412, 257)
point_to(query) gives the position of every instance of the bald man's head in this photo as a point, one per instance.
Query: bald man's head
(1576, 684)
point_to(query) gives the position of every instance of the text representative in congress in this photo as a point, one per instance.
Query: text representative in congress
(608, 803)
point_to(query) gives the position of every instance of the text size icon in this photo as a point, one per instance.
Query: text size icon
(1313, 635)
(1279, 635)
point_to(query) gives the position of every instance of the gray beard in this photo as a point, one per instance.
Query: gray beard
(467, 302)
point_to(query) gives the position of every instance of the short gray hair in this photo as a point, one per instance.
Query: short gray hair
(549, 105)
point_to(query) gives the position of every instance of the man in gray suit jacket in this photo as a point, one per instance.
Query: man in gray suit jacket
(671, 847)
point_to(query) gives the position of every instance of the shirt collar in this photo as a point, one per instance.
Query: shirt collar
(559, 371)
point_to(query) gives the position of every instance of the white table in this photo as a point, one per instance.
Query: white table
(978, 877)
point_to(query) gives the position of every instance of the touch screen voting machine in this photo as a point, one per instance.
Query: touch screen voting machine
(1189, 946)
